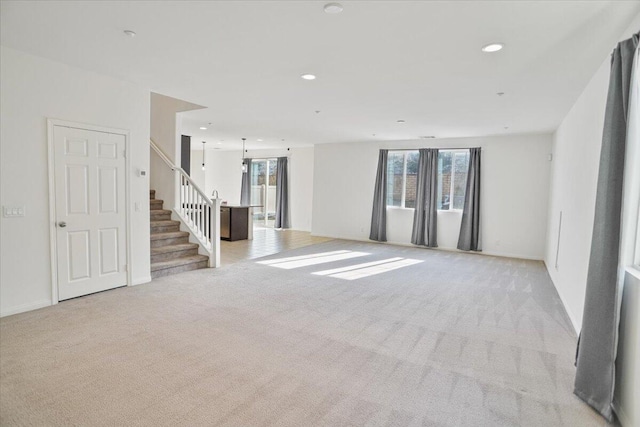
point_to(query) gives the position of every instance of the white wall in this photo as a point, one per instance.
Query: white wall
(166, 130)
(33, 89)
(515, 180)
(224, 173)
(574, 176)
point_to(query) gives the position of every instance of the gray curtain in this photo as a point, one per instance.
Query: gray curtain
(425, 216)
(282, 194)
(379, 214)
(245, 190)
(469, 239)
(596, 353)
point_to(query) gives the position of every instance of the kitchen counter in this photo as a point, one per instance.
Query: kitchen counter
(236, 222)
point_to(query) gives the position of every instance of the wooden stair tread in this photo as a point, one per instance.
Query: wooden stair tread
(178, 262)
(174, 248)
(161, 222)
(169, 235)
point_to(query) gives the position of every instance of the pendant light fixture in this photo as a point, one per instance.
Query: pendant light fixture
(203, 142)
(244, 165)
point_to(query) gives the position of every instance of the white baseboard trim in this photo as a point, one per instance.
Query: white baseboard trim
(441, 248)
(510, 255)
(140, 280)
(25, 307)
(624, 419)
(576, 325)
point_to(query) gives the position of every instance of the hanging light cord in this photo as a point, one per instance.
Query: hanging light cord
(203, 142)
(244, 165)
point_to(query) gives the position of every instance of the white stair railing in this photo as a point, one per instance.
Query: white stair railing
(199, 213)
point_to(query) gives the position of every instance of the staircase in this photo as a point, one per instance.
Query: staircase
(171, 251)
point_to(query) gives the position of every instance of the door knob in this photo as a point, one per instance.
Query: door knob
(62, 224)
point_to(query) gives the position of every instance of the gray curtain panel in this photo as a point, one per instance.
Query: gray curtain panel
(596, 354)
(245, 190)
(282, 194)
(379, 213)
(469, 239)
(425, 216)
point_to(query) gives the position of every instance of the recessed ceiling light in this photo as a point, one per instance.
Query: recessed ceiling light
(130, 33)
(308, 76)
(333, 8)
(400, 121)
(203, 128)
(259, 140)
(219, 143)
(493, 47)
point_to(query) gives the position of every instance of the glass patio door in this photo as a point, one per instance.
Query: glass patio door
(263, 191)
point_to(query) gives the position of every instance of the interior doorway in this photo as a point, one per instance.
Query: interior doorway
(263, 191)
(89, 222)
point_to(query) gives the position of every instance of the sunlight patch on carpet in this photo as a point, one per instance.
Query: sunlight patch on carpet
(377, 269)
(355, 267)
(321, 258)
(350, 272)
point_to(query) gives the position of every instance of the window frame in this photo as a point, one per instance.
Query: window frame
(403, 198)
(452, 185)
(405, 156)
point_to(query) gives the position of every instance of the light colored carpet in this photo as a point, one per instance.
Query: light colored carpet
(457, 340)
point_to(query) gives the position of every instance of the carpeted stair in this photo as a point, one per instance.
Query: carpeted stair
(171, 251)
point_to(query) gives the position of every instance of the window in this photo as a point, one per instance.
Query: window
(453, 166)
(402, 177)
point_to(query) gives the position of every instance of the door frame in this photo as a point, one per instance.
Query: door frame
(266, 189)
(51, 123)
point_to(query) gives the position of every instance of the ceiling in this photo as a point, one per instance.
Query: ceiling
(376, 62)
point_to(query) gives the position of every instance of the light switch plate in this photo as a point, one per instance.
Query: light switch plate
(13, 211)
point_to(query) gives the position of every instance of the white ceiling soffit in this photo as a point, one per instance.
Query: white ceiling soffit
(376, 62)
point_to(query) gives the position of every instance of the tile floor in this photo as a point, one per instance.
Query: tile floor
(266, 241)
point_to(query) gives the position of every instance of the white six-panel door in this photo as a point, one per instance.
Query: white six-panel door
(90, 211)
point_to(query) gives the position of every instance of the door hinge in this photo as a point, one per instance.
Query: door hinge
(124, 153)
(126, 268)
